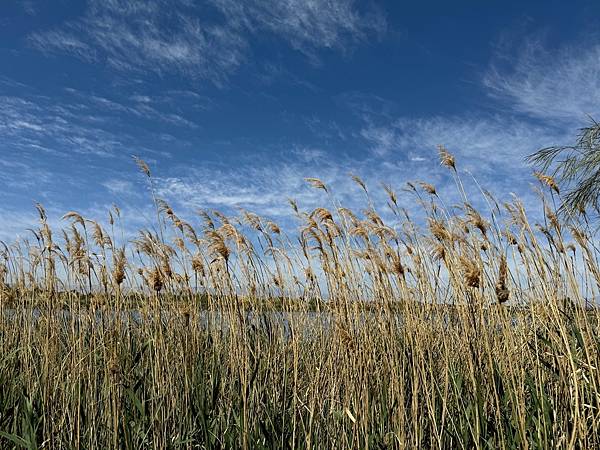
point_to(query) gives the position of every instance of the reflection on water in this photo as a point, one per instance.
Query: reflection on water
(271, 323)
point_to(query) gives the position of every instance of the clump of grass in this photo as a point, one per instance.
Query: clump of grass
(468, 329)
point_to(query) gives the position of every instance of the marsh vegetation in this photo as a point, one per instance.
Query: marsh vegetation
(443, 327)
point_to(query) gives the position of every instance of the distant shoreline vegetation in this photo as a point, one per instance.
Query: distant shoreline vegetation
(473, 330)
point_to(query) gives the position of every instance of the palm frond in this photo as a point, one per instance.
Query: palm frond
(576, 168)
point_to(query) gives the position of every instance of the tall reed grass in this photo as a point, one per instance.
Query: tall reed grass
(465, 329)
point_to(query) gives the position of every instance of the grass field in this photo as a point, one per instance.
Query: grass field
(461, 328)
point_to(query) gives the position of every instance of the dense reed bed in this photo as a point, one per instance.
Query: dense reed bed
(441, 327)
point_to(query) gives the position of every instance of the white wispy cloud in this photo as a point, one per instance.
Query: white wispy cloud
(149, 35)
(307, 25)
(491, 151)
(63, 41)
(37, 124)
(176, 36)
(383, 139)
(489, 147)
(484, 141)
(21, 174)
(249, 187)
(120, 187)
(91, 124)
(558, 85)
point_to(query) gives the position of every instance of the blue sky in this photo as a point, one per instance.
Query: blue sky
(234, 103)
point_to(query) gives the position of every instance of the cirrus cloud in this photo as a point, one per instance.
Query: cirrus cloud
(175, 37)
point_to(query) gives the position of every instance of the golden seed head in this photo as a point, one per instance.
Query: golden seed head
(548, 181)
(322, 214)
(397, 266)
(391, 194)
(274, 227)
(316, 183)
(155, 280)
(144, 168)
(475, 219)
(429, 188)
(471, 272)
(439, 230)
(553, 218)
(294, 205)
(446, 158)
(359, 181)
(197, 264)
(119, 266)
(502, 292)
